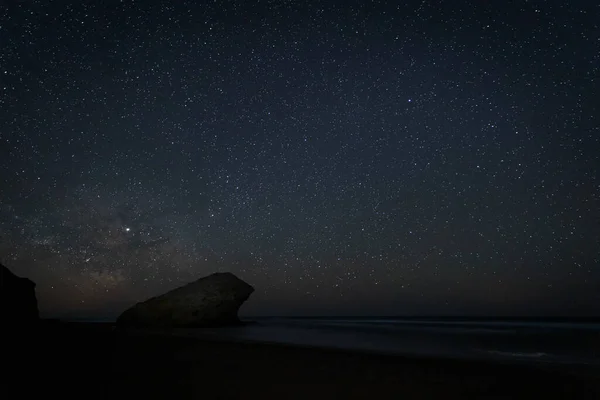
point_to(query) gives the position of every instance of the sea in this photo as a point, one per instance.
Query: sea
(545, 341)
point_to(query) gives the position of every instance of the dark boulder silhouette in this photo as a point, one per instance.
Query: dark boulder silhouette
(17, 298)
(210, 301)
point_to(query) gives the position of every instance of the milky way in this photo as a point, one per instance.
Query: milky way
(343, 158)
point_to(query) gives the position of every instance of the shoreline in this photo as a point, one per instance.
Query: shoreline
(120, 364)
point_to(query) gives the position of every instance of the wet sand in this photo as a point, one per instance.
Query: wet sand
(94, 361)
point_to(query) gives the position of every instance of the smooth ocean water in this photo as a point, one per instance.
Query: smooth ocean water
(523, 341)
(574, 342)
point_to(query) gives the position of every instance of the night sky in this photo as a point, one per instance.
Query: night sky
(343, 158)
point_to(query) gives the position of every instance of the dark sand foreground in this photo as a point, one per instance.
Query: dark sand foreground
(83, 361)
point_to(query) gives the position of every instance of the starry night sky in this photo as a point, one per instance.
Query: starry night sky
(342, 157)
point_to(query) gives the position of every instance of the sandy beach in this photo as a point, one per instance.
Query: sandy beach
(76, 360)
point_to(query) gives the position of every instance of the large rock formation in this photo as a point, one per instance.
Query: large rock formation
(210, 301)
(17, 298)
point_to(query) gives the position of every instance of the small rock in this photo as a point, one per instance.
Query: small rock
(17, 298)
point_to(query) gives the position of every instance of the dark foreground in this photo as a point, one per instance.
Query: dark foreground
(93, 361)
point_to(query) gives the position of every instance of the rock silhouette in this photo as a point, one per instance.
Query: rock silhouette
(17, 298)
(210, 301)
